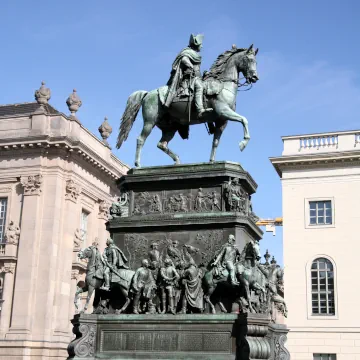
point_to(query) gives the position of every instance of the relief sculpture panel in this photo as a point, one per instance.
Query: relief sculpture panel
(178, 201)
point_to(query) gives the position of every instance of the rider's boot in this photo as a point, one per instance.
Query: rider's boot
(106, 285)
(232, 278)
(199, 102)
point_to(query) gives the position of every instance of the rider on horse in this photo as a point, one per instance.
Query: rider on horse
(114, 259)
(185, 75)
(227, 258)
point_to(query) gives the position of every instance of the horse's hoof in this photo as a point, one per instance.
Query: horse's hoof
(137, 164)
(177, 162)
(242, 145)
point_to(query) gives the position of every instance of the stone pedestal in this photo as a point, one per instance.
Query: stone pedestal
(169, 337)
(186, 203)
(184, 207)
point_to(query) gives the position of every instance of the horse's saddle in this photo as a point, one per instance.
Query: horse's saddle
(211, 87)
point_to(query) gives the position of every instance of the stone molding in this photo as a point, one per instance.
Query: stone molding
(5, 189)
(75, 274)
(83, 346)
(104, 207)
(321, 160)
(32, 184)
(78, 240)
(12, 234)
(73, 148)
(72, 191)
(8, 268)
(277, 337)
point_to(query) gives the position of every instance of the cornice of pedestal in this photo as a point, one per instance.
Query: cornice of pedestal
(67, 145)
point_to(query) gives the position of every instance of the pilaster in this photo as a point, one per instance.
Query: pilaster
(28, 254)
(8, 287)
(68, 251)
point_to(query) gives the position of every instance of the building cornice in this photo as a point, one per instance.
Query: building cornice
(330, 159)
(65, 143)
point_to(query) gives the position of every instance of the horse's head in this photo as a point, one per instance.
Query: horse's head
(85, 253)
(247, 64)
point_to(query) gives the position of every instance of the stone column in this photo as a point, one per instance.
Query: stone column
(8, 289)
(28, 255)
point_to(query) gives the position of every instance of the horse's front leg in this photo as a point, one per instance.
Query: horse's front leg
(90, 292)
(217, 135)
(76, 297)
(208, 301)
(226, 113)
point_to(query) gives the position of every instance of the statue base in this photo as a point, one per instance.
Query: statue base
(190, 337)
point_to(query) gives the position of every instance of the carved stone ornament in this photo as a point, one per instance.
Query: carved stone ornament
(105, 131)
(84, 344)
(42, 95)
(73, 102)
(32, 184)
(12, 234)
(75, 274)
(73, 190)
(78, 239)
(280, 351)
(104, 209)
(8, 268)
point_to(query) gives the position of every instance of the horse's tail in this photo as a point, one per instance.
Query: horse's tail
(133, 106)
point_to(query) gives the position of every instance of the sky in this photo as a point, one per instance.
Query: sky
(308, 65)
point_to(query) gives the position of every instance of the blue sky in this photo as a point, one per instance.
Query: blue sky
(308, 67)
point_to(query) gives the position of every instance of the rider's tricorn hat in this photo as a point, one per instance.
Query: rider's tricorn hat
(196, 39)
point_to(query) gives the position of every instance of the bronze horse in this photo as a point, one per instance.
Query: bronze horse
(94, 278)
(222, 82)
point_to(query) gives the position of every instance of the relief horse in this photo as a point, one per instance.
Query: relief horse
(94, 278)
(221, 82)
(249, 274)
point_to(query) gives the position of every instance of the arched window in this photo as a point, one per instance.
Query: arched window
(322, 287)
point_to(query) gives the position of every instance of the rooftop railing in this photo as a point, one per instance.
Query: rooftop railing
(321, 143)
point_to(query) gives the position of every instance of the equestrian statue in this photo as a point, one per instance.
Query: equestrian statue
(190, 98)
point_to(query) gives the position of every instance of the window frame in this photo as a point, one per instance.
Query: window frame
(329, 356)
(5, 224)
(86, 233)
(311, 315)
(307, 213)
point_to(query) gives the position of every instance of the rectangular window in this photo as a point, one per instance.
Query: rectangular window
(324, 357)
(84, 225)
(3, 207)
(320, 212)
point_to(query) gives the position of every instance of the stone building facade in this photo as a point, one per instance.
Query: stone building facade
(57, 182)
(320, 175)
